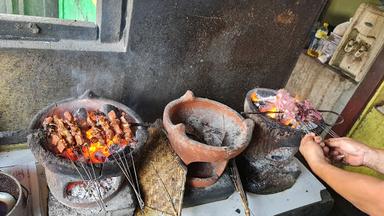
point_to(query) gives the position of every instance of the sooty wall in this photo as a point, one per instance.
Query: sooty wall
(217, 48)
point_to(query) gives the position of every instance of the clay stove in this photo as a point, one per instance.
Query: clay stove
(268, 164)
(69, 181)
(205, 134)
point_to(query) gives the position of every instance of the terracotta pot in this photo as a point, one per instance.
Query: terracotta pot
(199, 114)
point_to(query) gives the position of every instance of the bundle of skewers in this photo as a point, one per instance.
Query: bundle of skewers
(292, 112)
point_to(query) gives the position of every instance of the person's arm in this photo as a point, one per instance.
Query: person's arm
(355, 153)
(375, 160)
(365, 192)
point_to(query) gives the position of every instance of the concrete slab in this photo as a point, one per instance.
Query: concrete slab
(304, 192)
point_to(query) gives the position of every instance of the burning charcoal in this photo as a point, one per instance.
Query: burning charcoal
(99, 156)
(106, 108)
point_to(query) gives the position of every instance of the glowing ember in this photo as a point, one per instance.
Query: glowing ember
(92, 139)
(286, 109)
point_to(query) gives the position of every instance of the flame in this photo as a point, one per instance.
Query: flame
(272, 111)
(254, 97)
(69, 153)
(96, 152)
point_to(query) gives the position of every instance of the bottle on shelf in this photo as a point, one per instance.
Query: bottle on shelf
(315, 46)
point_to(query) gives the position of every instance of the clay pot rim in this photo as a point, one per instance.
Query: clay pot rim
(246, 124)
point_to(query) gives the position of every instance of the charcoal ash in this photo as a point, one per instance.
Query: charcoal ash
(91, 190)
(205, 133)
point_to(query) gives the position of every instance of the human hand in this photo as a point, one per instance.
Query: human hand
(348, 150)
(313, 150)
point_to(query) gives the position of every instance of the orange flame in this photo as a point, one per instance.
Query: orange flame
(271, 111)
(254, 97)
(70, 154)
(96, 152)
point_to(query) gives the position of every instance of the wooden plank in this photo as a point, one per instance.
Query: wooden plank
(45, 28)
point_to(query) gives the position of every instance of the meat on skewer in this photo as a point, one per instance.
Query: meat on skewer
(126, 128)
(62, 130)
(115, 122)
(75, 130)
(103, 122)
(91, 118)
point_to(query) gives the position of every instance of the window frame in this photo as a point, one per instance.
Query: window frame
(109, 34)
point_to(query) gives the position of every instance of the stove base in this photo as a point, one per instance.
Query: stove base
(122, 204)
(220, 190)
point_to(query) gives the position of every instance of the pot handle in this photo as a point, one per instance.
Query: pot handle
(88, 94)
(188, 96)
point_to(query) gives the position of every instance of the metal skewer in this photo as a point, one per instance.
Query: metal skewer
(125, 165)
(134, 170)
(130, 180)
(85, 182)
(94, 180)
(91, 179)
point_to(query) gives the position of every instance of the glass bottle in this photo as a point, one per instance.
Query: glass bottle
(315, 46)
